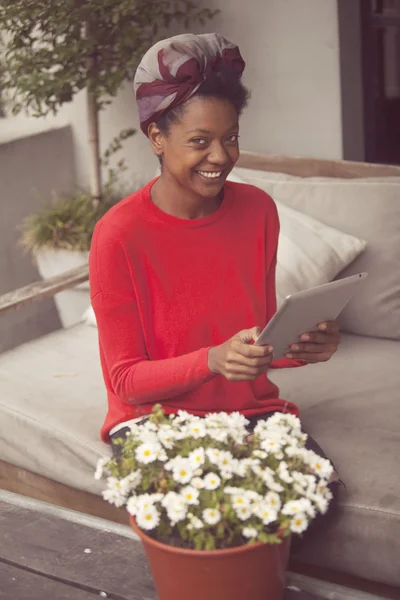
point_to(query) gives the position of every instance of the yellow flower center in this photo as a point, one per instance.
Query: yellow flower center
(147, 452)
(182, 472)
(148, 517)
(298, 522)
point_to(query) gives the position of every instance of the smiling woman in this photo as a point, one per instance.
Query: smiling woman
(182, 272)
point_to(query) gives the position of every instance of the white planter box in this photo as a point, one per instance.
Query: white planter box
(71, 304)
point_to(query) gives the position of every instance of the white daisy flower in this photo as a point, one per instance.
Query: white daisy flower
(148, 518)
(249, 532)
(292, 507)
(148, 437)
(243, 512)
(283, 472)
(194, 522)
(239, 500)
(101, 467)
(219, 434)
(131, 505)
(176, 514)
(166, 435)
(299, 523)
(253, 496)
(321, 466)
(182, 471)
(266, 513)
(236, 419)
(196, 429)
(213, 455)
(190, 494)
(321, 503)
(232, 490)
(131, 481)
(145, 500)
(273, 499)
(173, 500)
(114, 494)
(211, 516)
(260, 454)
(147, 452)
(162, 455)
(197, 483)
(268, 478)
(182, 417)
(197, 457)
(211, 481)
(269, 444)
(225, 460)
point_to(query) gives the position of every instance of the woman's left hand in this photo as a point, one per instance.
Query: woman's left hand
(316, 346)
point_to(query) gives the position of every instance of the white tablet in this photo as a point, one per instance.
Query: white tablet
(301, 312)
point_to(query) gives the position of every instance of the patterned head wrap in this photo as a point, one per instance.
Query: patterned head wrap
(174, 69)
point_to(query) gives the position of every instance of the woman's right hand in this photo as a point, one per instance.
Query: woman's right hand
(238, 359)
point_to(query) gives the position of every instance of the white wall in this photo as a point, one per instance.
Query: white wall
(292, 54)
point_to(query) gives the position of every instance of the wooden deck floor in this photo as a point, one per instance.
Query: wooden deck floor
(48, 553)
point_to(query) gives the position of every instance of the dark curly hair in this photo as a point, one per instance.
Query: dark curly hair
(223, 84)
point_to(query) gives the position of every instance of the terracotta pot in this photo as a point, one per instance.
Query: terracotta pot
(255, 572)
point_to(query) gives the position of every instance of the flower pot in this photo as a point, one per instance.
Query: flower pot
(72, 303)
(251, 572)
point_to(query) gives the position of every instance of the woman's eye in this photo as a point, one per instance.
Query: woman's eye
(199, 141)
(233, 139)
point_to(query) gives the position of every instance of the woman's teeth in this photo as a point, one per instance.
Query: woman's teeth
(210, 174)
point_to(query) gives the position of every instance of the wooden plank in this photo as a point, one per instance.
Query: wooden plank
(20, 481)
(43, 289)
(312, 167)
(86, 557)
(19, 584)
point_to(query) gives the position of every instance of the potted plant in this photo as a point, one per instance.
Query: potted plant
(49, 53)
(214, 507)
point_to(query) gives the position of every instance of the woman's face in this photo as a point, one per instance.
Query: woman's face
(201, 149)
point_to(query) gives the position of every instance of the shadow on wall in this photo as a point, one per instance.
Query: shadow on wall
(30, 169)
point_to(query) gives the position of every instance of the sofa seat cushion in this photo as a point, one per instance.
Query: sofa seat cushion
(52, 404)
(351, 406)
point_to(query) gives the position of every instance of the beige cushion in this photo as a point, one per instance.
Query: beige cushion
(370, 211)
(51, 415)
(351, 406)
(309, 252)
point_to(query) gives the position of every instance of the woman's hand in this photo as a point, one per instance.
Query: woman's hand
(317, 346)
(238, 359)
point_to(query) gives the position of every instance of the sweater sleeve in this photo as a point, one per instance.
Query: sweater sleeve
(282, 363)
(134, 377)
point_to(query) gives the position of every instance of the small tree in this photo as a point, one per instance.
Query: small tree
(52, 50)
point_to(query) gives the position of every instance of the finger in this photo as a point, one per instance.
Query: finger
(320, 338)
(249, 335)
(303, 348)
(310, 357)
(238, 359)
(329, 327)
(249, 350)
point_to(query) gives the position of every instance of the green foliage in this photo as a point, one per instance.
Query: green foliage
(67, 223)
(54, 49)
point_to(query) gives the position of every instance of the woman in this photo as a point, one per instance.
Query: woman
(182, 272)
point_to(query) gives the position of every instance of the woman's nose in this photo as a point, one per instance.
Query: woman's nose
(218, 154)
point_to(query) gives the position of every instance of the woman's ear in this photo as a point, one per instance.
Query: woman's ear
(156, 139)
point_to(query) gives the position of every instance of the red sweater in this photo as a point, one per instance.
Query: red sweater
(164, 290)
